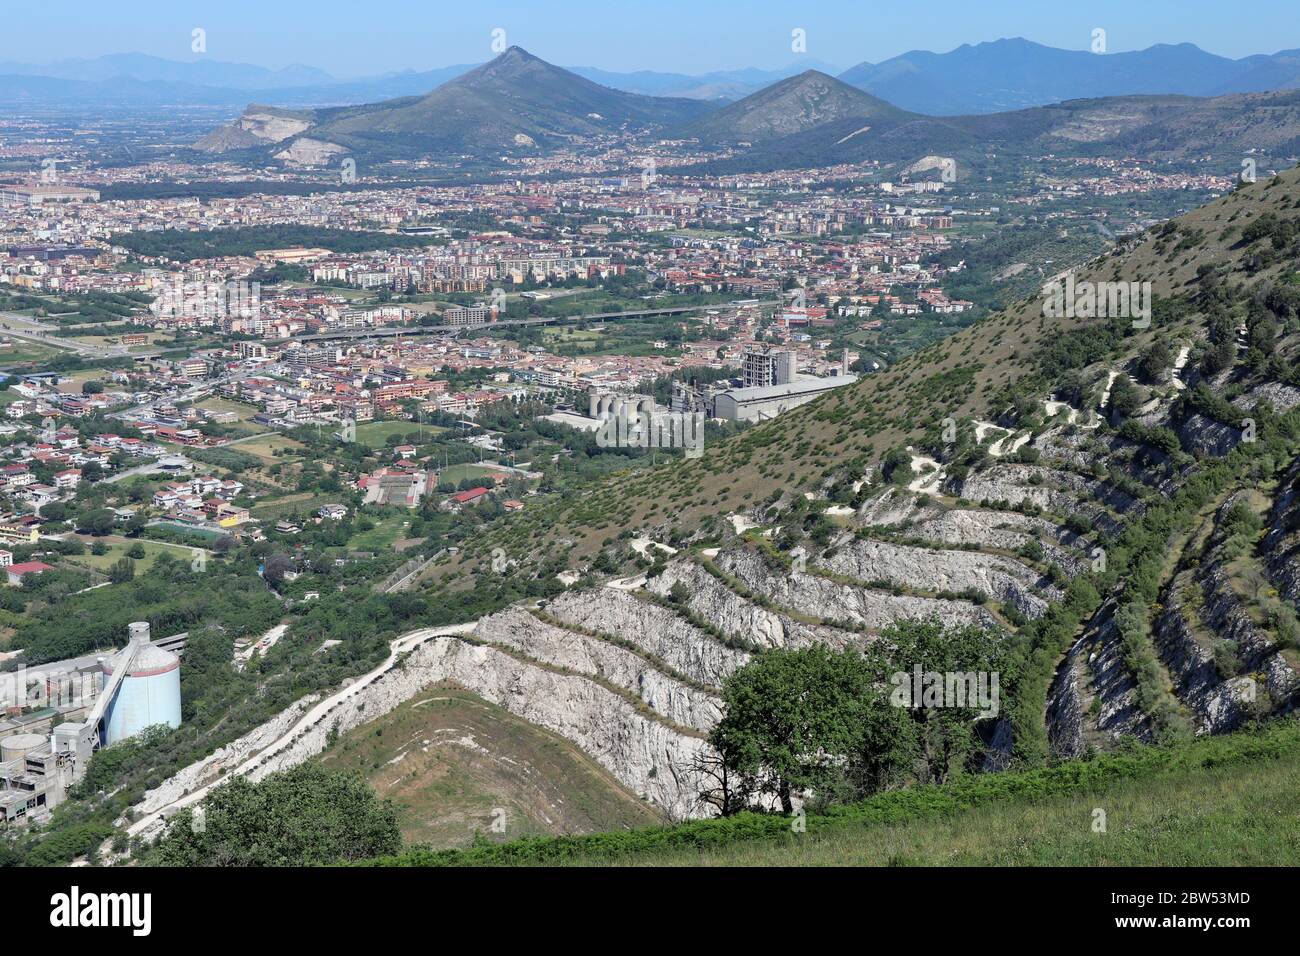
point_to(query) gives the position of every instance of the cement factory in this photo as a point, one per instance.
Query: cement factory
(44, 751)
(768, 385)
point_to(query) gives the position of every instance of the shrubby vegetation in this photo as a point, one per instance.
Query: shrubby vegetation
(300, 817)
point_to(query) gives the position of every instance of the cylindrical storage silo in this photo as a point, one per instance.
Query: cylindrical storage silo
(150, 692)
(17, 746)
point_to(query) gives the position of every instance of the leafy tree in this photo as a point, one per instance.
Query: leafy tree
(1125, 397)
(1155, 361)
(788, 715)
(97, 522)
(305, 816)
(122, 571)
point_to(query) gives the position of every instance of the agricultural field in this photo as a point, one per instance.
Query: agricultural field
(21, 351)
(303, 503)
(383, 536)
(118, 548)
(376, 434)
(266, 445)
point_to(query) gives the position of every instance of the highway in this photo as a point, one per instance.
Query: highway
(403, 330)
(24, 326)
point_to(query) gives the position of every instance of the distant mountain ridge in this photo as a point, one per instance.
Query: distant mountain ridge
(1177, 128)
(791, 106)
(1016, 73)
(995, 76)
(518, 104)
(200, 71)
(515, 103)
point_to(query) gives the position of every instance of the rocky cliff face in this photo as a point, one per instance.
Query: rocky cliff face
(653, 628)
(931, 570)
(258, 126)
(1007, 531)
(647, 755)
(516, 629)
(650, 758)
(737, 616)
(1093, 699)
(833, 601)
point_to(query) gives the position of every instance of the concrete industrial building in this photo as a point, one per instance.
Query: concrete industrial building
(37, 194)
(768, 401)
(601, 404)
(761, 367)
(141, 689)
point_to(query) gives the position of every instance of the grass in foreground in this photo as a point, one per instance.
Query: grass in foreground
(1230, 800)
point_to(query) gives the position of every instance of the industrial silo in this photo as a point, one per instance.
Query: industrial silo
(17, 746)
(150, 690)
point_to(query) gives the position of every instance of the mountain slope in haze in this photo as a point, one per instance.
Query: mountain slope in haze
(201, 71)
(789, 107)
(1016, 73)
(1159, 127)
(1281, 71)
(719, 85)
(514, 103)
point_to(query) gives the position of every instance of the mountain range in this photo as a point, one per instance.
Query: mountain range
(1000, 75)
(515, 103)
(1016, 73)
(519, 104)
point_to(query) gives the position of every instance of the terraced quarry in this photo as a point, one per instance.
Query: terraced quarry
(1115, 506)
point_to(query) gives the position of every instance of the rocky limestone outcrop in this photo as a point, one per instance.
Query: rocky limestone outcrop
(1067, 707)
(1071, 712)
(645, 755)
(1224, 614)
(227, 758)
(1008, 531)
(833, 601)
(712, 601)
(1197, 682)
(306, 151)
(893, 506)
(1281, 546)
(680, 703)
(1282, 397)
(924, 569)
(1205, 436)
(258, 126)
(653, 628)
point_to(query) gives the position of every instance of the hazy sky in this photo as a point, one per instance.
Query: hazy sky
(361, 37)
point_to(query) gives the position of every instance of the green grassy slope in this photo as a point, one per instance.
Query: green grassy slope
(1229, 800)
(449, 760)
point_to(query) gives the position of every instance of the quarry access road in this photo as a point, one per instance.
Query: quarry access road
(314, 715)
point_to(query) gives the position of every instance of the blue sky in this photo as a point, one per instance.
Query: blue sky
(363, 37)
